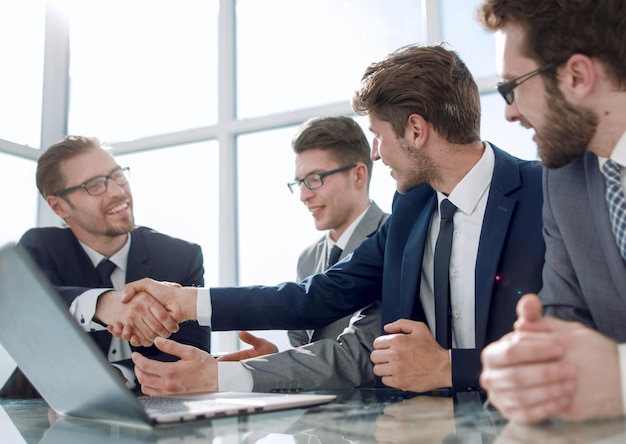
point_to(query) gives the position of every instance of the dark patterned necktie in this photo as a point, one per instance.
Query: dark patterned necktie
(443, 248)
(334, 255)
(616, 202)
(104, 269)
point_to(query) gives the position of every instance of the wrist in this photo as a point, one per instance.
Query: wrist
(102, 303)
(446, 373)
(189, 303)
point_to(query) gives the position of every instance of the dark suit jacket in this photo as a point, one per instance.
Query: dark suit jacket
(387, 266)
(584, 275)
(59, 254)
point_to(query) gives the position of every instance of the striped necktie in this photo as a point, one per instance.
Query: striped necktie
(616, 202)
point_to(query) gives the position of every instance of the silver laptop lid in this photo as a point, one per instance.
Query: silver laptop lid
(48, 345)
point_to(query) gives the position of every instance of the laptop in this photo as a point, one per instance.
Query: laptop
(74, 377)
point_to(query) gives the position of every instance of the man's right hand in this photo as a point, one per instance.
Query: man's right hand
(260, 347)
(550, 368)
(144, 315)
(179, 303)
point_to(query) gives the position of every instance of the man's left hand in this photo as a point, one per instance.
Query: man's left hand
(409, 358)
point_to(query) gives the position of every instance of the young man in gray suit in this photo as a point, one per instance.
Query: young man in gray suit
(564, 66)
(324, 145)
(333, 173)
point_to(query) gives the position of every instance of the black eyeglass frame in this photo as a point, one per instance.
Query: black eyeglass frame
(506, 88)
(296, 183)
(125, 173)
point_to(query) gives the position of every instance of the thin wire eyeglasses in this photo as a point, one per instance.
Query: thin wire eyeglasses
(314, 181)
(506, 88)
(99, 185)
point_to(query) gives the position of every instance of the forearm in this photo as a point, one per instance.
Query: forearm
(323, 365)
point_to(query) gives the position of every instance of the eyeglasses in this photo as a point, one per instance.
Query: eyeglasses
(314, 181)
(506, 88)
(99, 185)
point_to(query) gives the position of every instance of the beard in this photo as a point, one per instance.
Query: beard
(423, 169)
(567, 132)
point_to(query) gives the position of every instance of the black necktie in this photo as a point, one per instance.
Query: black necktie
(104, 269)
(333, 257)
(442, 274)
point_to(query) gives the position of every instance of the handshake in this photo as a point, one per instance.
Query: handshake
(145, 310)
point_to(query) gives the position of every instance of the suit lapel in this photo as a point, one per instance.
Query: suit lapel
(371, 222)
(601, 221)
(498, 215)
(412, 260)
(137, 266)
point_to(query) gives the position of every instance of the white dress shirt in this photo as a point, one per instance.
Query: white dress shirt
(470, 197)
(83, 308)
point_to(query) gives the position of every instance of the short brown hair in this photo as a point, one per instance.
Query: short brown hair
(557, 29)
(340, 135)
(49, 177)
(427, 80)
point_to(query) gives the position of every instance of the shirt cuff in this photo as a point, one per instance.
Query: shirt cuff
(83, 308)
(621, 350)
(204, 310)
(129, 375)
(233, 377)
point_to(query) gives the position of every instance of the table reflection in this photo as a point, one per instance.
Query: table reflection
(358, 416)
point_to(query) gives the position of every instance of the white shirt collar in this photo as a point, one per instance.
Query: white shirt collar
(618, 155)
(120, 258)
(468, 192)
(345, 236)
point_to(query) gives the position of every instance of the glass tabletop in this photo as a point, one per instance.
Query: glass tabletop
(357, 416)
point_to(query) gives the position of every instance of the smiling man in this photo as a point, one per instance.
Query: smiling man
(424, 111)
(564, 71)
(83, 184)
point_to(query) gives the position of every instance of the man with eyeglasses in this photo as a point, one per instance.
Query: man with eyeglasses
(463, 242)
(83, 184)
(333, 173)
(568, 65)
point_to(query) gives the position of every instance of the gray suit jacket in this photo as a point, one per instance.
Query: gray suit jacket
(584, 276)
(334, 358)
(313, 260)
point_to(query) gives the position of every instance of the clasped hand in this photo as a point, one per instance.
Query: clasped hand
(146, 310)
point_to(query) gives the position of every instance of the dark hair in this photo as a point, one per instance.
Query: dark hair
(427, 80)
(49, 177)
(557, 29)
(340, 135)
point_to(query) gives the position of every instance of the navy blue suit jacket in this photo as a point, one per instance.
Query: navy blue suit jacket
(59, 254)
(388, 265)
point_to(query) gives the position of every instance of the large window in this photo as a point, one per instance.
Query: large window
(21, 50)
(201, 99)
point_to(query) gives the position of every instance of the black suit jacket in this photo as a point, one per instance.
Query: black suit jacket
(158, 256)
(387, 267)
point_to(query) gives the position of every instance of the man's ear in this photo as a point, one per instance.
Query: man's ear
(416, 130)
(579, 77)
(361, 174)
(58, 205)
